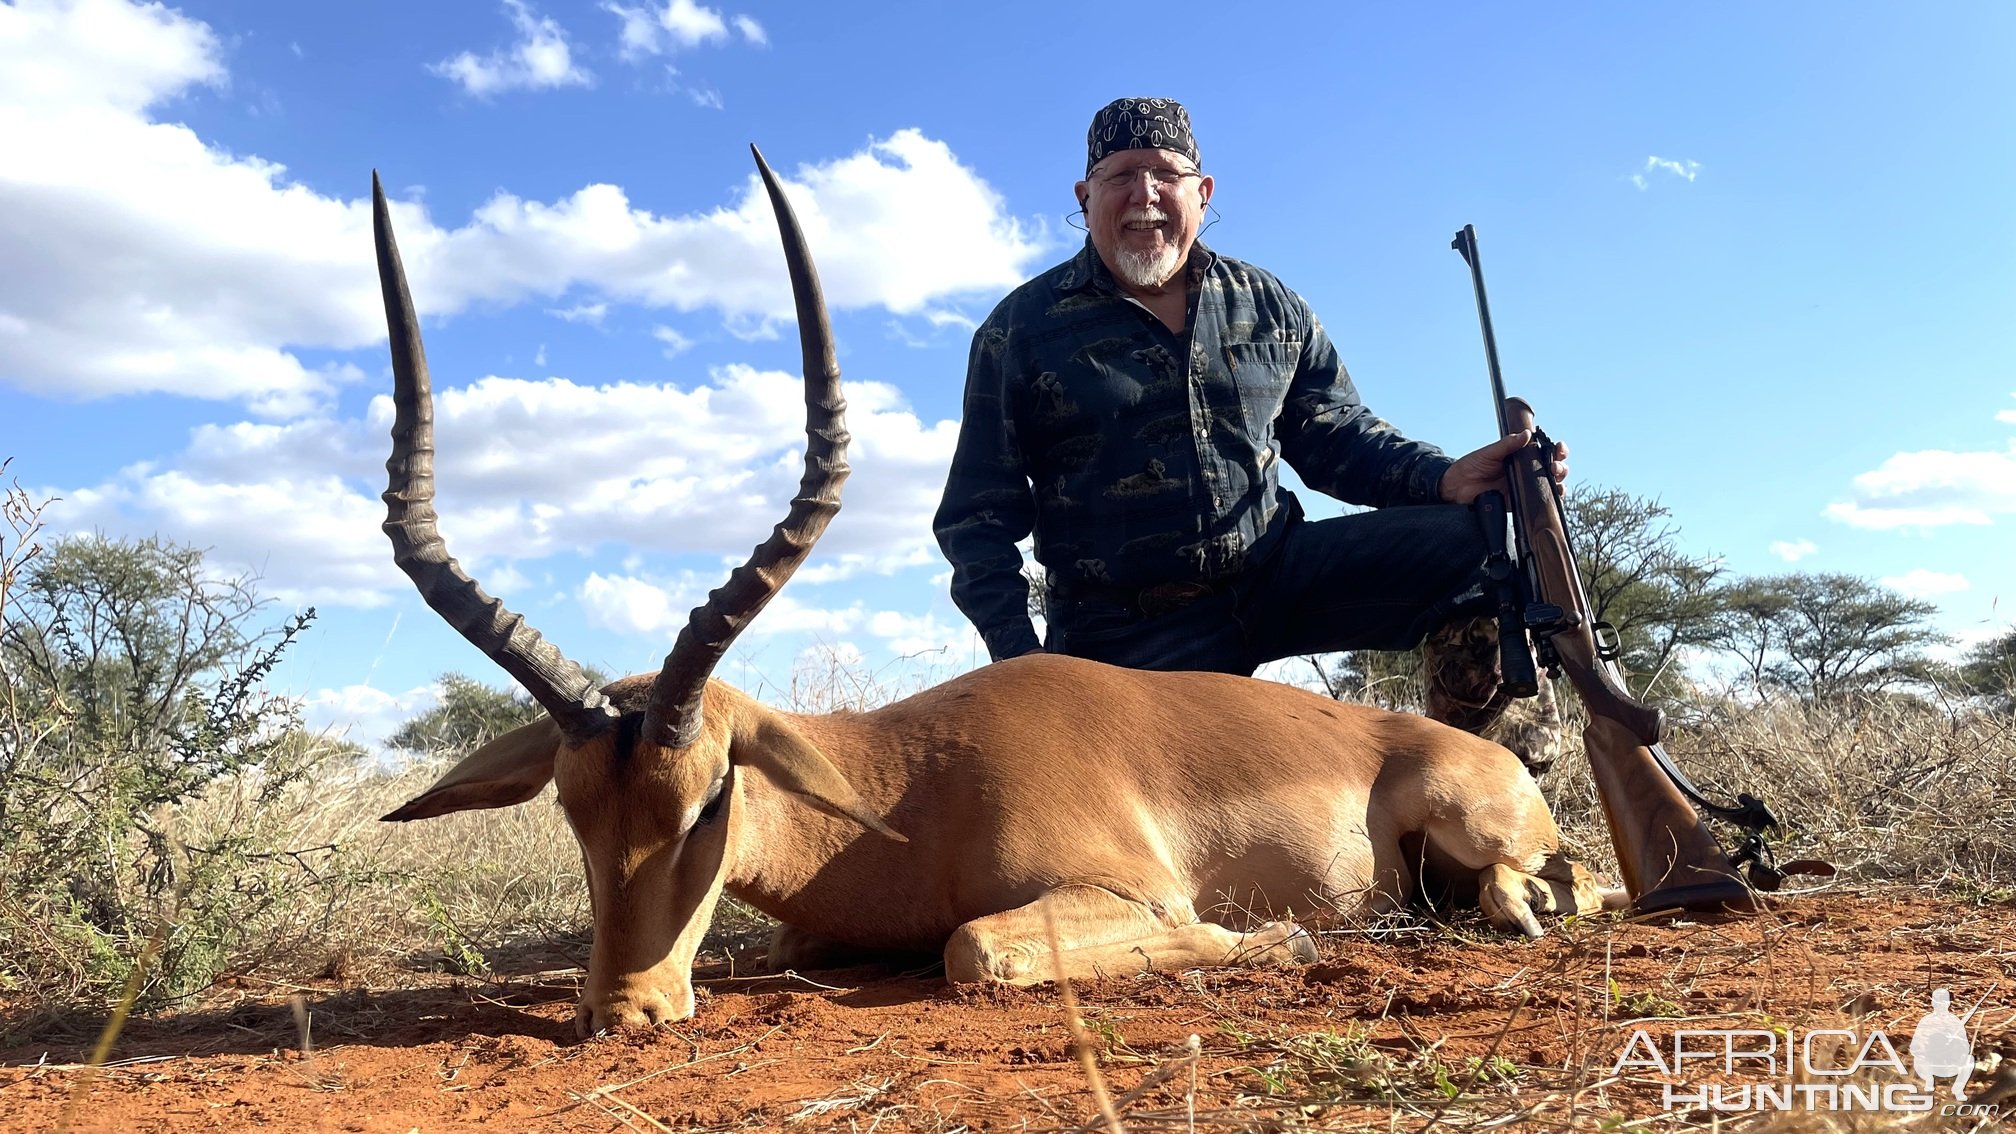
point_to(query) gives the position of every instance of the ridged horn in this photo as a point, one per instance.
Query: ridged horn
(672, 719)
(556, 683)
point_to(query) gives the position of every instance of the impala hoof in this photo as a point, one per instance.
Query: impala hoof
(1278, 943)
(1506, 897)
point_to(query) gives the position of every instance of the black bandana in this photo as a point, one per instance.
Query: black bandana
(1139, 124)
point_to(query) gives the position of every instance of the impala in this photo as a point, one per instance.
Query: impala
(1156, 820)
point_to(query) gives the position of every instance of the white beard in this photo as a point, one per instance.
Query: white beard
(1146, 270)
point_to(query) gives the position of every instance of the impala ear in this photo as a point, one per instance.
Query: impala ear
(794, 764)
(510, 769)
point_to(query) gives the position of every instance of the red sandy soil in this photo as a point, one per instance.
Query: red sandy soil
(869, 1049)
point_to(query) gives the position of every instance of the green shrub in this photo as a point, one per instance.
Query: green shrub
(132, 686)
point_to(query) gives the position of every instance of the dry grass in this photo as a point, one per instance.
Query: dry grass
(1886, 788)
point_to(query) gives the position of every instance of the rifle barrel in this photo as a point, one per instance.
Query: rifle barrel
(1666, 853)
(1466, 245)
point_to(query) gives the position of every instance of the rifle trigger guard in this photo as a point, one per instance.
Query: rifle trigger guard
(1609, 643)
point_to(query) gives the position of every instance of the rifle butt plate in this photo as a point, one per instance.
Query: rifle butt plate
(1720, 895)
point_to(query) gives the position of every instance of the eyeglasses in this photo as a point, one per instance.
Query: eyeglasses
(1163, 177)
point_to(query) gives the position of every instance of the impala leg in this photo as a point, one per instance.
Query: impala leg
(1510, 898)
(1103, 934)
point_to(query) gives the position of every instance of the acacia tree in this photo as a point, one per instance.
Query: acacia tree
(469, 715)
(150, 662)
(1659, 598)
(1823, 636)
(1989, 671)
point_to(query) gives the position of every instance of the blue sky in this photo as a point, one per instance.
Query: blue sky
(1753, 260)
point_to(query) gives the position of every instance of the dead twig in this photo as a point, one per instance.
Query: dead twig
(1077, 1026)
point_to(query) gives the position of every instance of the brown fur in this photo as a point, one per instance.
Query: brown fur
(1158, 820)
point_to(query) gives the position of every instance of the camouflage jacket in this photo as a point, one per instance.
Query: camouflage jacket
(1140, 457)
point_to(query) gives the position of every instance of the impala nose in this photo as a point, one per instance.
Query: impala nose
(637, 1007)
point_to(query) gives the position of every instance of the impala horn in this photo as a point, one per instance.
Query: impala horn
(673, 717)
(559, 685)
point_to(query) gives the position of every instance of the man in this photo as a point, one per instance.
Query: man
(1130, 406)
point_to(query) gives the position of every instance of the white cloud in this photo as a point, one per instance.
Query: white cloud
(101, 54)
(651, 607)
(589, 313)
(676, 344)
(750, 329)
(533, 469)
(945, 326)
(632, 605)
(639, 34)
(705, 97)
(228, 269)
(506, 579)
(1684, 170)
(1922, 583)
(1792, 551)
(310, 539)
(851, 565)
(677, 26)
(212, 255)
(1932, 488)
(907, 634)
(364, 715)
(690, 24)
(899, 224)
(540, 60)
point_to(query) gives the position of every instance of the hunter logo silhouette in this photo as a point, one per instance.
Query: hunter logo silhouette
(1939, 1047)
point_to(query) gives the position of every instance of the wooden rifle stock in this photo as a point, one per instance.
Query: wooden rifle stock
(1668, 857)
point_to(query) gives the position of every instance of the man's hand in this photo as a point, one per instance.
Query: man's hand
(1484, 470)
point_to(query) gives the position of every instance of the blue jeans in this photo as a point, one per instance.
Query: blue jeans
(1375, 580)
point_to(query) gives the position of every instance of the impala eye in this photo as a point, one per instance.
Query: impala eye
(715, 797)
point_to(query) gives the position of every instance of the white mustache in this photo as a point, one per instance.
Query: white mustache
(1144, 216)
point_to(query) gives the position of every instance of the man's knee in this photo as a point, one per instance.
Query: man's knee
(1449, 533)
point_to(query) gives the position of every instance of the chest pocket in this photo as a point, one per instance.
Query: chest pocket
(1262, 371)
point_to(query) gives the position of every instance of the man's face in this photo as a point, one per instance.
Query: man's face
(1143, 209)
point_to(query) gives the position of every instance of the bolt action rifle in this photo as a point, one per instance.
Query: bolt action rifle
(1667, 856)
